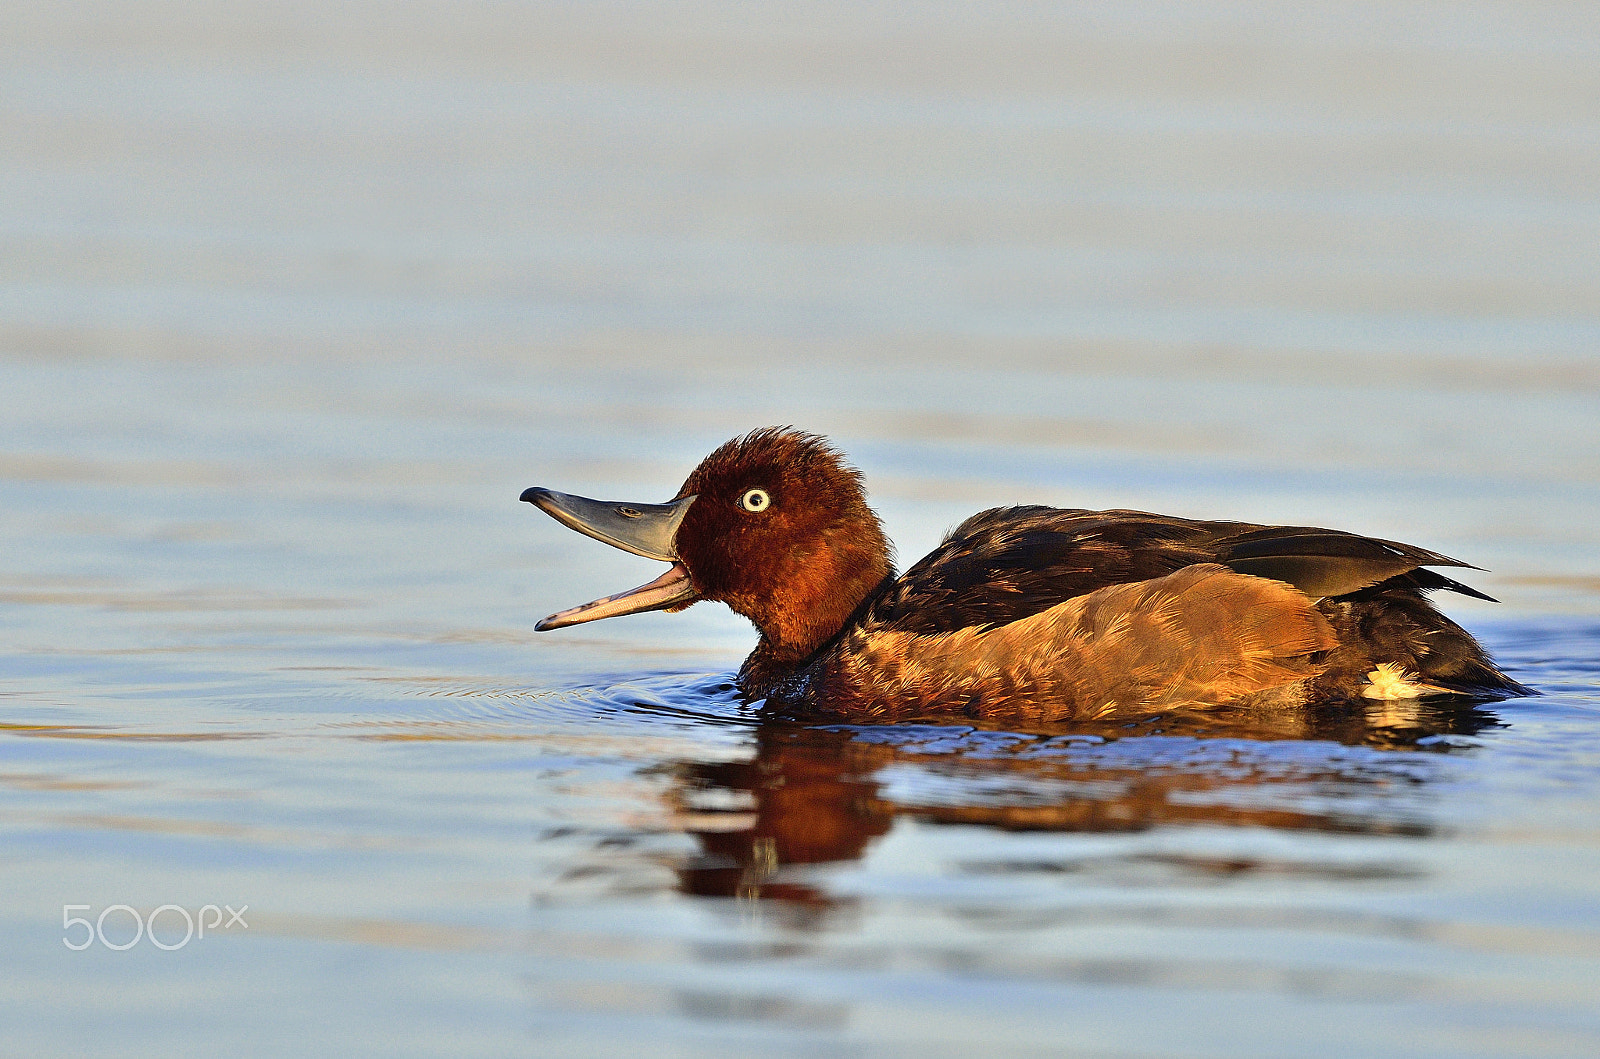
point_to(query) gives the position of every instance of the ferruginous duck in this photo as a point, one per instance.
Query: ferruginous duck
(1038, 612)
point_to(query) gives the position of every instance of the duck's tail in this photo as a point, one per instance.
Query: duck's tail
(1394, 644)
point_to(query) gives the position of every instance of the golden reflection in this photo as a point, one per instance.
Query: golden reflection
(84, 731)
(817, 795)
(29, 781)
(181, 601)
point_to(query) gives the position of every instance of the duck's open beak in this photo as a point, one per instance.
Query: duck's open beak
(643, 529)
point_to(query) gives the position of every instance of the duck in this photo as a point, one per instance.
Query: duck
(1028, 612)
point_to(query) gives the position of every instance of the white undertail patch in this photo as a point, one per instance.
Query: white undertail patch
(1391, 680)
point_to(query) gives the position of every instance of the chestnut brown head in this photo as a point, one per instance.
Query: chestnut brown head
(775, 524)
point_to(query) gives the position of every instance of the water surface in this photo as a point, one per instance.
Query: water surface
(295, 301)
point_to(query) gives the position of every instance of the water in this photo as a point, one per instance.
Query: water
(295, 301)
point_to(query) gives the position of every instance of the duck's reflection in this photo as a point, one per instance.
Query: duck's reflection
(808, 797)
(812, 795)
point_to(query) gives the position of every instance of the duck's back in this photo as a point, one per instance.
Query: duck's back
(1011, 589)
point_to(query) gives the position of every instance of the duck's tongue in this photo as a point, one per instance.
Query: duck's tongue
(644, 529)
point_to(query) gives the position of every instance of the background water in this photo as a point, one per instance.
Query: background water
(295, 299)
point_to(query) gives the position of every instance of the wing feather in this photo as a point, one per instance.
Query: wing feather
(1006, 564)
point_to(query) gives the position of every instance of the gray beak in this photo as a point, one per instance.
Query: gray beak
(643, 529)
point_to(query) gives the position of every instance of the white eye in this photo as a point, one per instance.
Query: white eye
(755, 500)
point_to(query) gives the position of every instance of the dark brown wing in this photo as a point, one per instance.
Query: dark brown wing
(1005, 564)
(1326, 563)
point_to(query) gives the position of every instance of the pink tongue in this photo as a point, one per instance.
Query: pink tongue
(671, 587)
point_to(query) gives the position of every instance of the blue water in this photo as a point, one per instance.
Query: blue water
(295, 301)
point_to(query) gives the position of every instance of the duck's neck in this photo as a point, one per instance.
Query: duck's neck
(820, 595)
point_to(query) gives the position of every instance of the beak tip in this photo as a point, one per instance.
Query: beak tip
(532, 494)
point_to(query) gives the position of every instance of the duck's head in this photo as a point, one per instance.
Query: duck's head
(774, 524)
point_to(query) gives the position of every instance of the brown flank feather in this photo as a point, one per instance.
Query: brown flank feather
(1200, 637)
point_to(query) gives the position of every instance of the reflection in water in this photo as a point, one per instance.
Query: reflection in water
(809, 796)
(812, 795)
